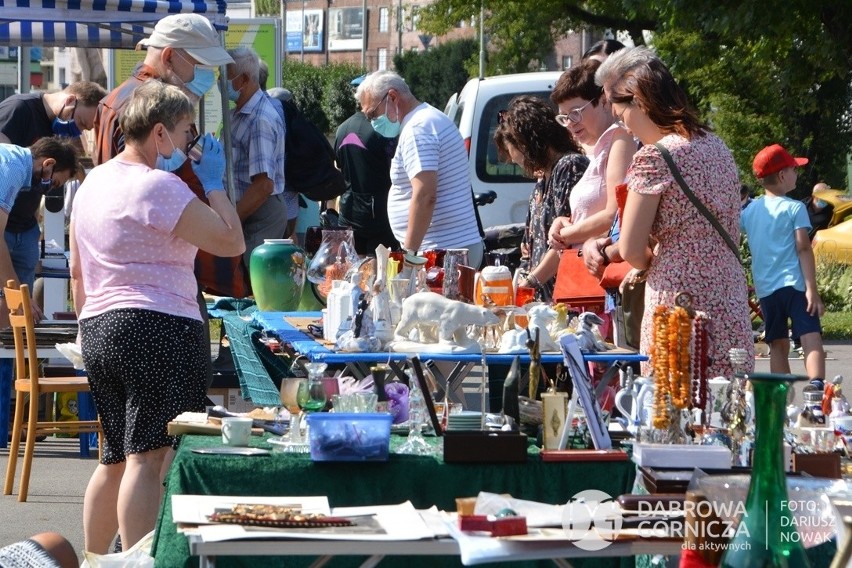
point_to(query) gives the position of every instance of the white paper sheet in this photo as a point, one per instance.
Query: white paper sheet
(537, 514)
(399, 523)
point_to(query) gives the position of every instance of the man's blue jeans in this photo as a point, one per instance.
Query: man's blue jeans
(24, 250)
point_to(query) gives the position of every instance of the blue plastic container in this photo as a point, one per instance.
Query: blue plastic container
(349, 437)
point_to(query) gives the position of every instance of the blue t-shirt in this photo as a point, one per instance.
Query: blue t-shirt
(771, 224)
(16, 163)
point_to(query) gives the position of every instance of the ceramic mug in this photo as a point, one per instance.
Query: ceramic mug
(236, 430)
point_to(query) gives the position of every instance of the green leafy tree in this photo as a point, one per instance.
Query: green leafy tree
(323, 94)
(759, 71)
(434, 75)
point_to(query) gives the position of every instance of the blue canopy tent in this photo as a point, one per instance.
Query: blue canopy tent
(94, 23)
(114, 24)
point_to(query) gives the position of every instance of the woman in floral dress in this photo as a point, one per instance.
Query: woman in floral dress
(662, 232)
(529, 135)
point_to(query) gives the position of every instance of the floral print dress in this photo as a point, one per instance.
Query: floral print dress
(691, 255)
(548, 201)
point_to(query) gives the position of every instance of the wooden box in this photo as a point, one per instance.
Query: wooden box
(462, 446)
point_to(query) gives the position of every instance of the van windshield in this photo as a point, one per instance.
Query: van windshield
(489, 168)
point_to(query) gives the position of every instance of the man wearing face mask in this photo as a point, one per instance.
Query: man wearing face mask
(45, 165)
(429, 204)
(182, 51)
(264, 205)
(26, 118)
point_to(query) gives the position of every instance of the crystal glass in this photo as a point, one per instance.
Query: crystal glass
(290, 400)
(415, 444)
(768, 539)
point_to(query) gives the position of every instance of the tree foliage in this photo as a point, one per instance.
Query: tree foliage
(760, 71)
(434, 75)
(323, 94)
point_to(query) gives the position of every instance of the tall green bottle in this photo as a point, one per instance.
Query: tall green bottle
(766, 537)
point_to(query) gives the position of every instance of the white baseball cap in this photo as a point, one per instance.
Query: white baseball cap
(192, 33)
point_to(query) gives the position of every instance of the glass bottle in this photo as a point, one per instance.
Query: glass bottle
(766, 536)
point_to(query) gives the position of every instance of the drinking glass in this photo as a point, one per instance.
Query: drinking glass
(311, 395)
(290, 399)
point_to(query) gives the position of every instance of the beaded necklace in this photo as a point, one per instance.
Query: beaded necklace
(679, 359)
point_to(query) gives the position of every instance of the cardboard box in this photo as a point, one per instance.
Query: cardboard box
(230, 399)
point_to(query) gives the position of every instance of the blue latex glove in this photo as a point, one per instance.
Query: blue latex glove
(211, 169)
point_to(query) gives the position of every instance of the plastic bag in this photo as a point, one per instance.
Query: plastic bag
(139, 556)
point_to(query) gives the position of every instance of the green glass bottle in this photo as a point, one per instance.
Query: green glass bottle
(277, 269)
(766, 536)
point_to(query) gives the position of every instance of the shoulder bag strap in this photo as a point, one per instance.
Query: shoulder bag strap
(697, 202)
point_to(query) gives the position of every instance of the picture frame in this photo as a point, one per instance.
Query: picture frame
(427, 394)
(585, 392)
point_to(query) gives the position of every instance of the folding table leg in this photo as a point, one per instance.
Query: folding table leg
(86, 411)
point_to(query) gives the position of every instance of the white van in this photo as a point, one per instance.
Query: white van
(474, 110)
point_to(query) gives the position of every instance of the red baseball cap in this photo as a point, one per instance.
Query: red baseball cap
(773, 159)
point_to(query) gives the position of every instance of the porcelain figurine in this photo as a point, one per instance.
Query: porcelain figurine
(586, 336)
(441, 324)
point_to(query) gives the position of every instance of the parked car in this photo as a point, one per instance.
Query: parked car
(834, 245)
(840, 201)
(474, 110)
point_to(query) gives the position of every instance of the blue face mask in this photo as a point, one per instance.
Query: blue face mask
(385, 126)
(233, 94)
(67, 128)
(173, 162)
(202, 81)
(202, 78)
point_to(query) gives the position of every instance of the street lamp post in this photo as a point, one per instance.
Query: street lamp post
(399, 28)
(302, 43)
(364, 34)
(283, 6)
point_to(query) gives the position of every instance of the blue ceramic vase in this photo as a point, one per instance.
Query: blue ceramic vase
(277, 271)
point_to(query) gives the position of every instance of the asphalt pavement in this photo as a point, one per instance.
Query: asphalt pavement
(59, 476)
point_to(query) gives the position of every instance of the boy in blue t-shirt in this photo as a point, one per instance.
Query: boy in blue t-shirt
(782, 262)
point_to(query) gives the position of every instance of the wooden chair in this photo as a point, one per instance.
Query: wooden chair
(28, 380)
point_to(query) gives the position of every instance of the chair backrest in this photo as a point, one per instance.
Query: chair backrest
(23, 330)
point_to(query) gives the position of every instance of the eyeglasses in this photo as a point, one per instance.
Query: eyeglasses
(574, 116)
(619, 120)
(370, 114)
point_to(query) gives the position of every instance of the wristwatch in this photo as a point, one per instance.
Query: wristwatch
(605, 256)
(412, 252)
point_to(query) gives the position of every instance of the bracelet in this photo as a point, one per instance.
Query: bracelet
(533, 281)
(412, 252)
(605, 256)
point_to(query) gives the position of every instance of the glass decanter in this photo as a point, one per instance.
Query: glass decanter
(335, 256)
